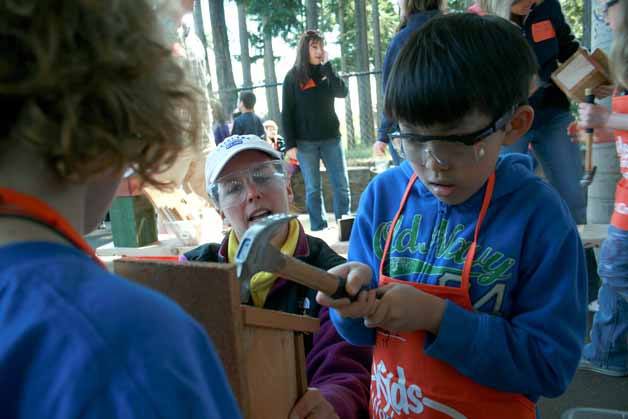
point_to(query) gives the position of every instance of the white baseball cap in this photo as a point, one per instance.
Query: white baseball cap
(228, 149)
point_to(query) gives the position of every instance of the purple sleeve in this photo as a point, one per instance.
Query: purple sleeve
(341, 371)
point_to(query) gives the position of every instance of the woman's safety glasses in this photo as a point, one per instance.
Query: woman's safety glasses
(458, 150)
(231, 190)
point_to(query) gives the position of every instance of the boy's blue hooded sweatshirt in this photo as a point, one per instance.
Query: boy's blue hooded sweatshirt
(528, 281)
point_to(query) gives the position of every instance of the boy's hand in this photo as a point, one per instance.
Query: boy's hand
(403, 308)
(357, 275)
(592, 116)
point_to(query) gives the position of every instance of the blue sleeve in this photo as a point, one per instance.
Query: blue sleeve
(237, 129)
(360, 250)
(567, 43)
(526, 352)
(386, 124)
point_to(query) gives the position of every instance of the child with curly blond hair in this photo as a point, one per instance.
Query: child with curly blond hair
(88, 90)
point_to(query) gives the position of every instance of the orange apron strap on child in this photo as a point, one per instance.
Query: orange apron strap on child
(407, 383)
(619, 218)
(542, 31)
(15, 204)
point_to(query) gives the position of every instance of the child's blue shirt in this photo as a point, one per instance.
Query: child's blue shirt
(79, 342)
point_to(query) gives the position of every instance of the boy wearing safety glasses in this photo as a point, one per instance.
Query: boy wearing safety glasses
(247, 180)
(479, 306)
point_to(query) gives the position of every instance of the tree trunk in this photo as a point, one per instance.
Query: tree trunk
(245, 58)
(367, 132)
(377, 59)
(311, 14)
(272, 98)
(343, 69)
(224, 73)
(199, 29)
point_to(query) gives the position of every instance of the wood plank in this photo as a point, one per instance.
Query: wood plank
(253, 316)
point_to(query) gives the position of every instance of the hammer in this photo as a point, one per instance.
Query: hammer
(256, 254)
(589, 169)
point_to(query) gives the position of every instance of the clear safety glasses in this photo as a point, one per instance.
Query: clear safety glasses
(231, 190)
(458, 150)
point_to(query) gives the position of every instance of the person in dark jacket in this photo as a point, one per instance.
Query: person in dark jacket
(247, 180)
(247, 122)
(414, 14)
(544, 26)
(311, 127)
(221, 126)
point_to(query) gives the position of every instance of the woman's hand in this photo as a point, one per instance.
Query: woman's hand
(592, 116)
(379, 148)
(292, 153)
(403, 308)
(313, 405)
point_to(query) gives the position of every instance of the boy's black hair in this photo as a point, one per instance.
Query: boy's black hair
(456, 64)
(248, 99)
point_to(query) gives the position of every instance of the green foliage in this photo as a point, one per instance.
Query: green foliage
(573, 11)
(281, 17)
(388, 20)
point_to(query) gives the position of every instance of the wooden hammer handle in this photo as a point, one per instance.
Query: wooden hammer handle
(313, 277)
(588, 166)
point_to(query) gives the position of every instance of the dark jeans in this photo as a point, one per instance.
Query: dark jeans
(559, 157)
(309, 154)
(609, 334)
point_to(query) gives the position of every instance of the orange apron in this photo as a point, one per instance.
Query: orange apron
(407, 383)
(15, 204)
(619, 218)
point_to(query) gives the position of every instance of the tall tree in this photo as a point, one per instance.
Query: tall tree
(367, 132)
(245, 58)
(199, 29)
(224, 72)
(311, 14)
(343, 69)
(272, 98)
(377, 56)
(275, 17)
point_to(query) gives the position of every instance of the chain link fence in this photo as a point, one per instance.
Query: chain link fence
(358, 116)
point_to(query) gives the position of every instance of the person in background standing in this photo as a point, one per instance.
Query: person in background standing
(607, 353)
(189, 169)
(247, 123)
(221, 126)
(550, 36)
(311, 127)
(414, 14)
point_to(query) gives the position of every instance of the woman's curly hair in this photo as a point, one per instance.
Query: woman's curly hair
(92, 86)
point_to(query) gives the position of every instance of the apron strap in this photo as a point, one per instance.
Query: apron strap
(468, 263)
(394, 222)
(15, 204)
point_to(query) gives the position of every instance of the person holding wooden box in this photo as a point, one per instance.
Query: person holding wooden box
(607, 353)
(549, 35)
(88, 89)
(247, 180)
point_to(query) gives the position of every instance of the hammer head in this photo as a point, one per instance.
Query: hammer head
(255, 253)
